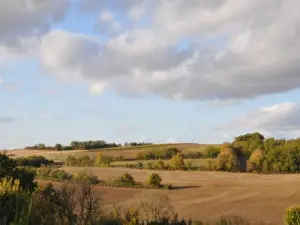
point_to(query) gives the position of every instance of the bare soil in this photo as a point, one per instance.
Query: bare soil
(210, 195)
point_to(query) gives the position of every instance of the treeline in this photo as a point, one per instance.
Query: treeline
(253, 153)
(168, 153)
(84, 145)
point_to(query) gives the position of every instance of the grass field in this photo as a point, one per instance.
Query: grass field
(209, 195)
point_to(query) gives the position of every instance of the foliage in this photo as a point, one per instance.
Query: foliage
(84, 160)
(292, 216)
(211, 164)
(188, 165)
(157, 154)
(211, 152)
(102, 161)
(227, 160)
(46, 173)
(58, 147)
(125, 180)
(177, 162)
(8, 169)
(84, 177)
(34, 161)
(154, 180)
(85, 145)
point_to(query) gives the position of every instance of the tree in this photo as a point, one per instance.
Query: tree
(154, 180)
(177, 162)
(292, 216)
(211, 152)
(58, 147)
(41, 146)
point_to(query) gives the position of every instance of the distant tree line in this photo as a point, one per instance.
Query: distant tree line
(84, 145)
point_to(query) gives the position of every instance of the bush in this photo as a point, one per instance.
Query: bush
(211, 152)
(84, 160)
(160, 165)
(149, 166)
(177, 162)
(102, 161)
(34, 161)
(292, 216)
(45, 173)
(85, 178)
(189, 165)
(211, 164)
(154, 180)
(126, 180)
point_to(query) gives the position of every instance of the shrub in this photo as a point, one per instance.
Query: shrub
(58, 147)
(34, 161)
(45, 173)
(102, 161)
(292, 216)
(85, 178)
(154, 180)
(189, 165)
(140, 165)
(211, 152)
(210, 164)
(177, 162)
(84, 160)
(160, 165)
(126, 180)
(149, 166)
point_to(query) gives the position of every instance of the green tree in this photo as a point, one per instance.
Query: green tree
(292, 216)
(41, 146)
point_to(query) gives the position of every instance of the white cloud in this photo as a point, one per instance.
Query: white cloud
(276, 119)
(23, 22)
(236, 49)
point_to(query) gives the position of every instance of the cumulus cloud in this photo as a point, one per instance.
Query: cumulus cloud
(276, 119)
(235, 49)
(20, 19)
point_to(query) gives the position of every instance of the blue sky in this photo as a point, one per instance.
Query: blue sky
(113, 72)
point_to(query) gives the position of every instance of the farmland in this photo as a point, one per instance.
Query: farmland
(126, 152)
(209, 195)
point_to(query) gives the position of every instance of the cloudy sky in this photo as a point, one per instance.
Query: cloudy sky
(148, 70)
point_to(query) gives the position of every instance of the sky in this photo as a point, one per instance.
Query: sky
(160, 71)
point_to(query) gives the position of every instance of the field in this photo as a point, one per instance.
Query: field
(209, 195)
(126, 152)
(199, 195)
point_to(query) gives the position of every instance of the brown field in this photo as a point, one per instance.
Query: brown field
(209, 195)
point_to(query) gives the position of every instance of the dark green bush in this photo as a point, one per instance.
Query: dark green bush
(46, 173)
(34, 161)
